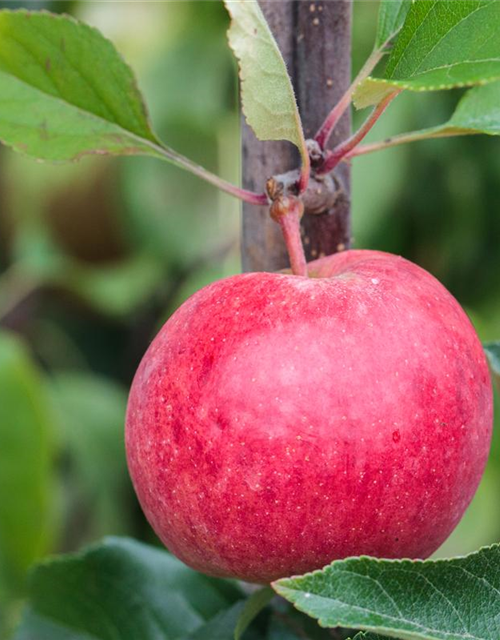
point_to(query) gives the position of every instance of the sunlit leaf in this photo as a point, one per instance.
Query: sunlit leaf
(391, 16)
(432, 600)
(443, 44)
(65, 91)
(477, 112)
(267, 94)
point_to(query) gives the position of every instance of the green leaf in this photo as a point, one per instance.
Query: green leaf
(91, 412)
(267, 95)
(286, 623)
(115, 289)
(443, 44)
(367, 636)
(123, 589)
(65, 91)
(279, 630)
(221, 627)
(391, 16)
(477, 112)
(433, 600)
(253, 606)
(25, 464)
(46, 629)
(492, 350)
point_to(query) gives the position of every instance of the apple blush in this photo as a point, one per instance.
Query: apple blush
(278, 423)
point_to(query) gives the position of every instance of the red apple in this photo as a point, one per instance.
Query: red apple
(278, 423)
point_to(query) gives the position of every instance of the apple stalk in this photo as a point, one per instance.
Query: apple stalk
(287, 211)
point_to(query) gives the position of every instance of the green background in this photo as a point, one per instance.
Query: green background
(95, 256)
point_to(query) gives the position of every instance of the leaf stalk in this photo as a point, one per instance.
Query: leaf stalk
(325, 131)
(333, 158)
(258, 199)
(403, 138)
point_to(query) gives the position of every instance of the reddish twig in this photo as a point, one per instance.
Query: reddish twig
(258, 199)
(326, 129)
(305, 173)
(181, 161)
(403, 138)
(345, 148)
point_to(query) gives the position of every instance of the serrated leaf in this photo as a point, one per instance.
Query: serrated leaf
(253, 606)
(443, 44)
(267, 94)
(124, 589)
(432, 600)
(391, 16)
(477, 112)
(25, 464)
(65, 91)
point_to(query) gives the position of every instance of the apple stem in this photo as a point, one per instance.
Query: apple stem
(333, 158)
(290, 227)
(328, 126)
(287, 212)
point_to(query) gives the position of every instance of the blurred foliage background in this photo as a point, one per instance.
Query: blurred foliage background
(95, 256)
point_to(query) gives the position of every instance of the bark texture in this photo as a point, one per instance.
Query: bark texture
(315, 40)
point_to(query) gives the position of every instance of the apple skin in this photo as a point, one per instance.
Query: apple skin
(278, 423)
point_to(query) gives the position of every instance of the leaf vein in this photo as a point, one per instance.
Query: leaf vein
(445, 35)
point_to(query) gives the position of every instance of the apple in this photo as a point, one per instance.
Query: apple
(278, 423)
